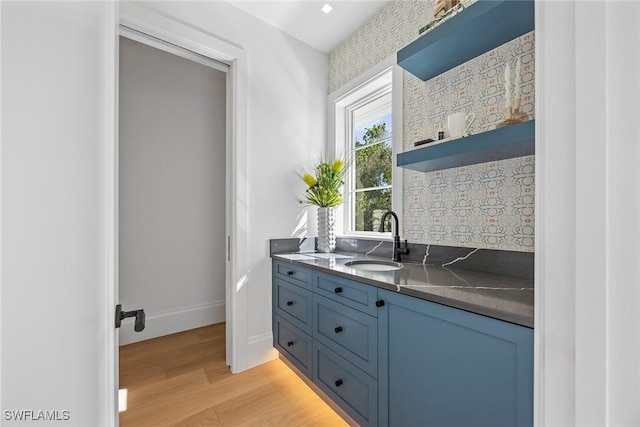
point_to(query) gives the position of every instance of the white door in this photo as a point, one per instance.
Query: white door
(58, 203)
(57, 247)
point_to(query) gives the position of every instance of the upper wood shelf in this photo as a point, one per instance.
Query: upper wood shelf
(499, 144)
(480, 27)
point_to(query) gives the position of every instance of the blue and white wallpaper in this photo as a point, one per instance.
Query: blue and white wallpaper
(489, 205)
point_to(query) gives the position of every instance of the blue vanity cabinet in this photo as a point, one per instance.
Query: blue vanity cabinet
(393, 360)
(352, 389)
(441, 366)
(292, 314)
(327, 327)
(345, 344)
(293, 344)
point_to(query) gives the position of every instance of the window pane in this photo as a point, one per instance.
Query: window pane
(373, 165)
(370, 206)
(372, 121)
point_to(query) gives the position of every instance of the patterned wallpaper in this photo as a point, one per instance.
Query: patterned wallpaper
(489, 205)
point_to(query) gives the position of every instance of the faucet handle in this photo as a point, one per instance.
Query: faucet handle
(405, 249)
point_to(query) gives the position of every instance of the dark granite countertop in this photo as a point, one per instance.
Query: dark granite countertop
(503, 297)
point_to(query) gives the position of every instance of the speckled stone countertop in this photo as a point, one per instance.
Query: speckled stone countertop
(503, 297)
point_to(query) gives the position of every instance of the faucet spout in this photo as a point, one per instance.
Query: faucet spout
(397, 247)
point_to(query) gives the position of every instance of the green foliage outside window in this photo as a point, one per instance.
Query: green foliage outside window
(372, 169)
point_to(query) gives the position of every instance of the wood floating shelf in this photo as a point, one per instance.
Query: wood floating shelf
(504, 143)
(478, 28)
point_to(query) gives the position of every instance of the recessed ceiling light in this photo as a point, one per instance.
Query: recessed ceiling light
(326, 8)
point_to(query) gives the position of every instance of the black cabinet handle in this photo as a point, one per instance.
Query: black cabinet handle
(290, 273)
(338, 383)
(289, 303)
(380, 303)
(338, 329)
(337, 290)
(290, 343)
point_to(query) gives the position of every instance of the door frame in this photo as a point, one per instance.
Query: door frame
(169, 31)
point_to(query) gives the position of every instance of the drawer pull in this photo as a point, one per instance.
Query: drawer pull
(338, 383)
(338, 329)
(289, 344)
(290, 273)
(289, 303)
(380, 303)
(338, 290)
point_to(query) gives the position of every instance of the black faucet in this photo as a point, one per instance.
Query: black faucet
(397, 248)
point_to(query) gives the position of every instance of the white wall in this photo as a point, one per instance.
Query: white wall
(57, 145)
(57, 70)
(287, 89)
(172, 191)
(588, 205)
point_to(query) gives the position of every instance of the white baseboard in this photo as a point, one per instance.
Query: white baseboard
(170, 322)
(260, 349)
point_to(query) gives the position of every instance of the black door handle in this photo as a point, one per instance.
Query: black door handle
(138, 314)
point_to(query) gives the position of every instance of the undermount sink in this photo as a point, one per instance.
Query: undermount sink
(371, 265)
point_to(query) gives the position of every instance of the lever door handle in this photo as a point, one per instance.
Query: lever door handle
(138, 314)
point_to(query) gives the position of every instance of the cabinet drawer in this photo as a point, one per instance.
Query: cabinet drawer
(355, 391)
(293, 303)
(293, 273)
(350, 333)
(357, 295)
(293, 344)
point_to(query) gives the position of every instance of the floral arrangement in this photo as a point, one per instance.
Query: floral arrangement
(325, 185)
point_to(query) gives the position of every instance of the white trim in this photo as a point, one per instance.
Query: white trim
(163, 28)
(268, 336)
(172, 321)
(109, 364)
(338, 100)
(109, 145)
(260, 349)
(587, 322)
(538, 293)
(138, 36)
(148, 22)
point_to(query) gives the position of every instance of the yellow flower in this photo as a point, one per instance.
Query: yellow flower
(337, 166)
(309, 179)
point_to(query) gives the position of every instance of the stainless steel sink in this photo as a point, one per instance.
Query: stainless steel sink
(374, 265)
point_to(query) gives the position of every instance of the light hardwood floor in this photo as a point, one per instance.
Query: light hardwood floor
(182, 380)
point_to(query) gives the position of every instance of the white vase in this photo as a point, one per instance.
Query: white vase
(326, 230)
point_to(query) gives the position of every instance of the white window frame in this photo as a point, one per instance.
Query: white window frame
(369, 84)
(350, 184)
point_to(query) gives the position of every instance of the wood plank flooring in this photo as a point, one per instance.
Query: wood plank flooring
(182, 380)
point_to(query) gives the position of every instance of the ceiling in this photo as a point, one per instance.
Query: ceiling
(304, 20)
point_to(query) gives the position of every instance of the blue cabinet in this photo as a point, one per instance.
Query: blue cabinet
(440, 366)
(348, 332)
(326, 326)
(394, 360)
(294, 344)
(349, 387)
(293, 303)
(348, 292)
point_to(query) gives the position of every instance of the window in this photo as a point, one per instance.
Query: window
(369, 186)
(364, 112)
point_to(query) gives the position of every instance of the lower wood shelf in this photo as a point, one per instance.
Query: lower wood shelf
(504, 143)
